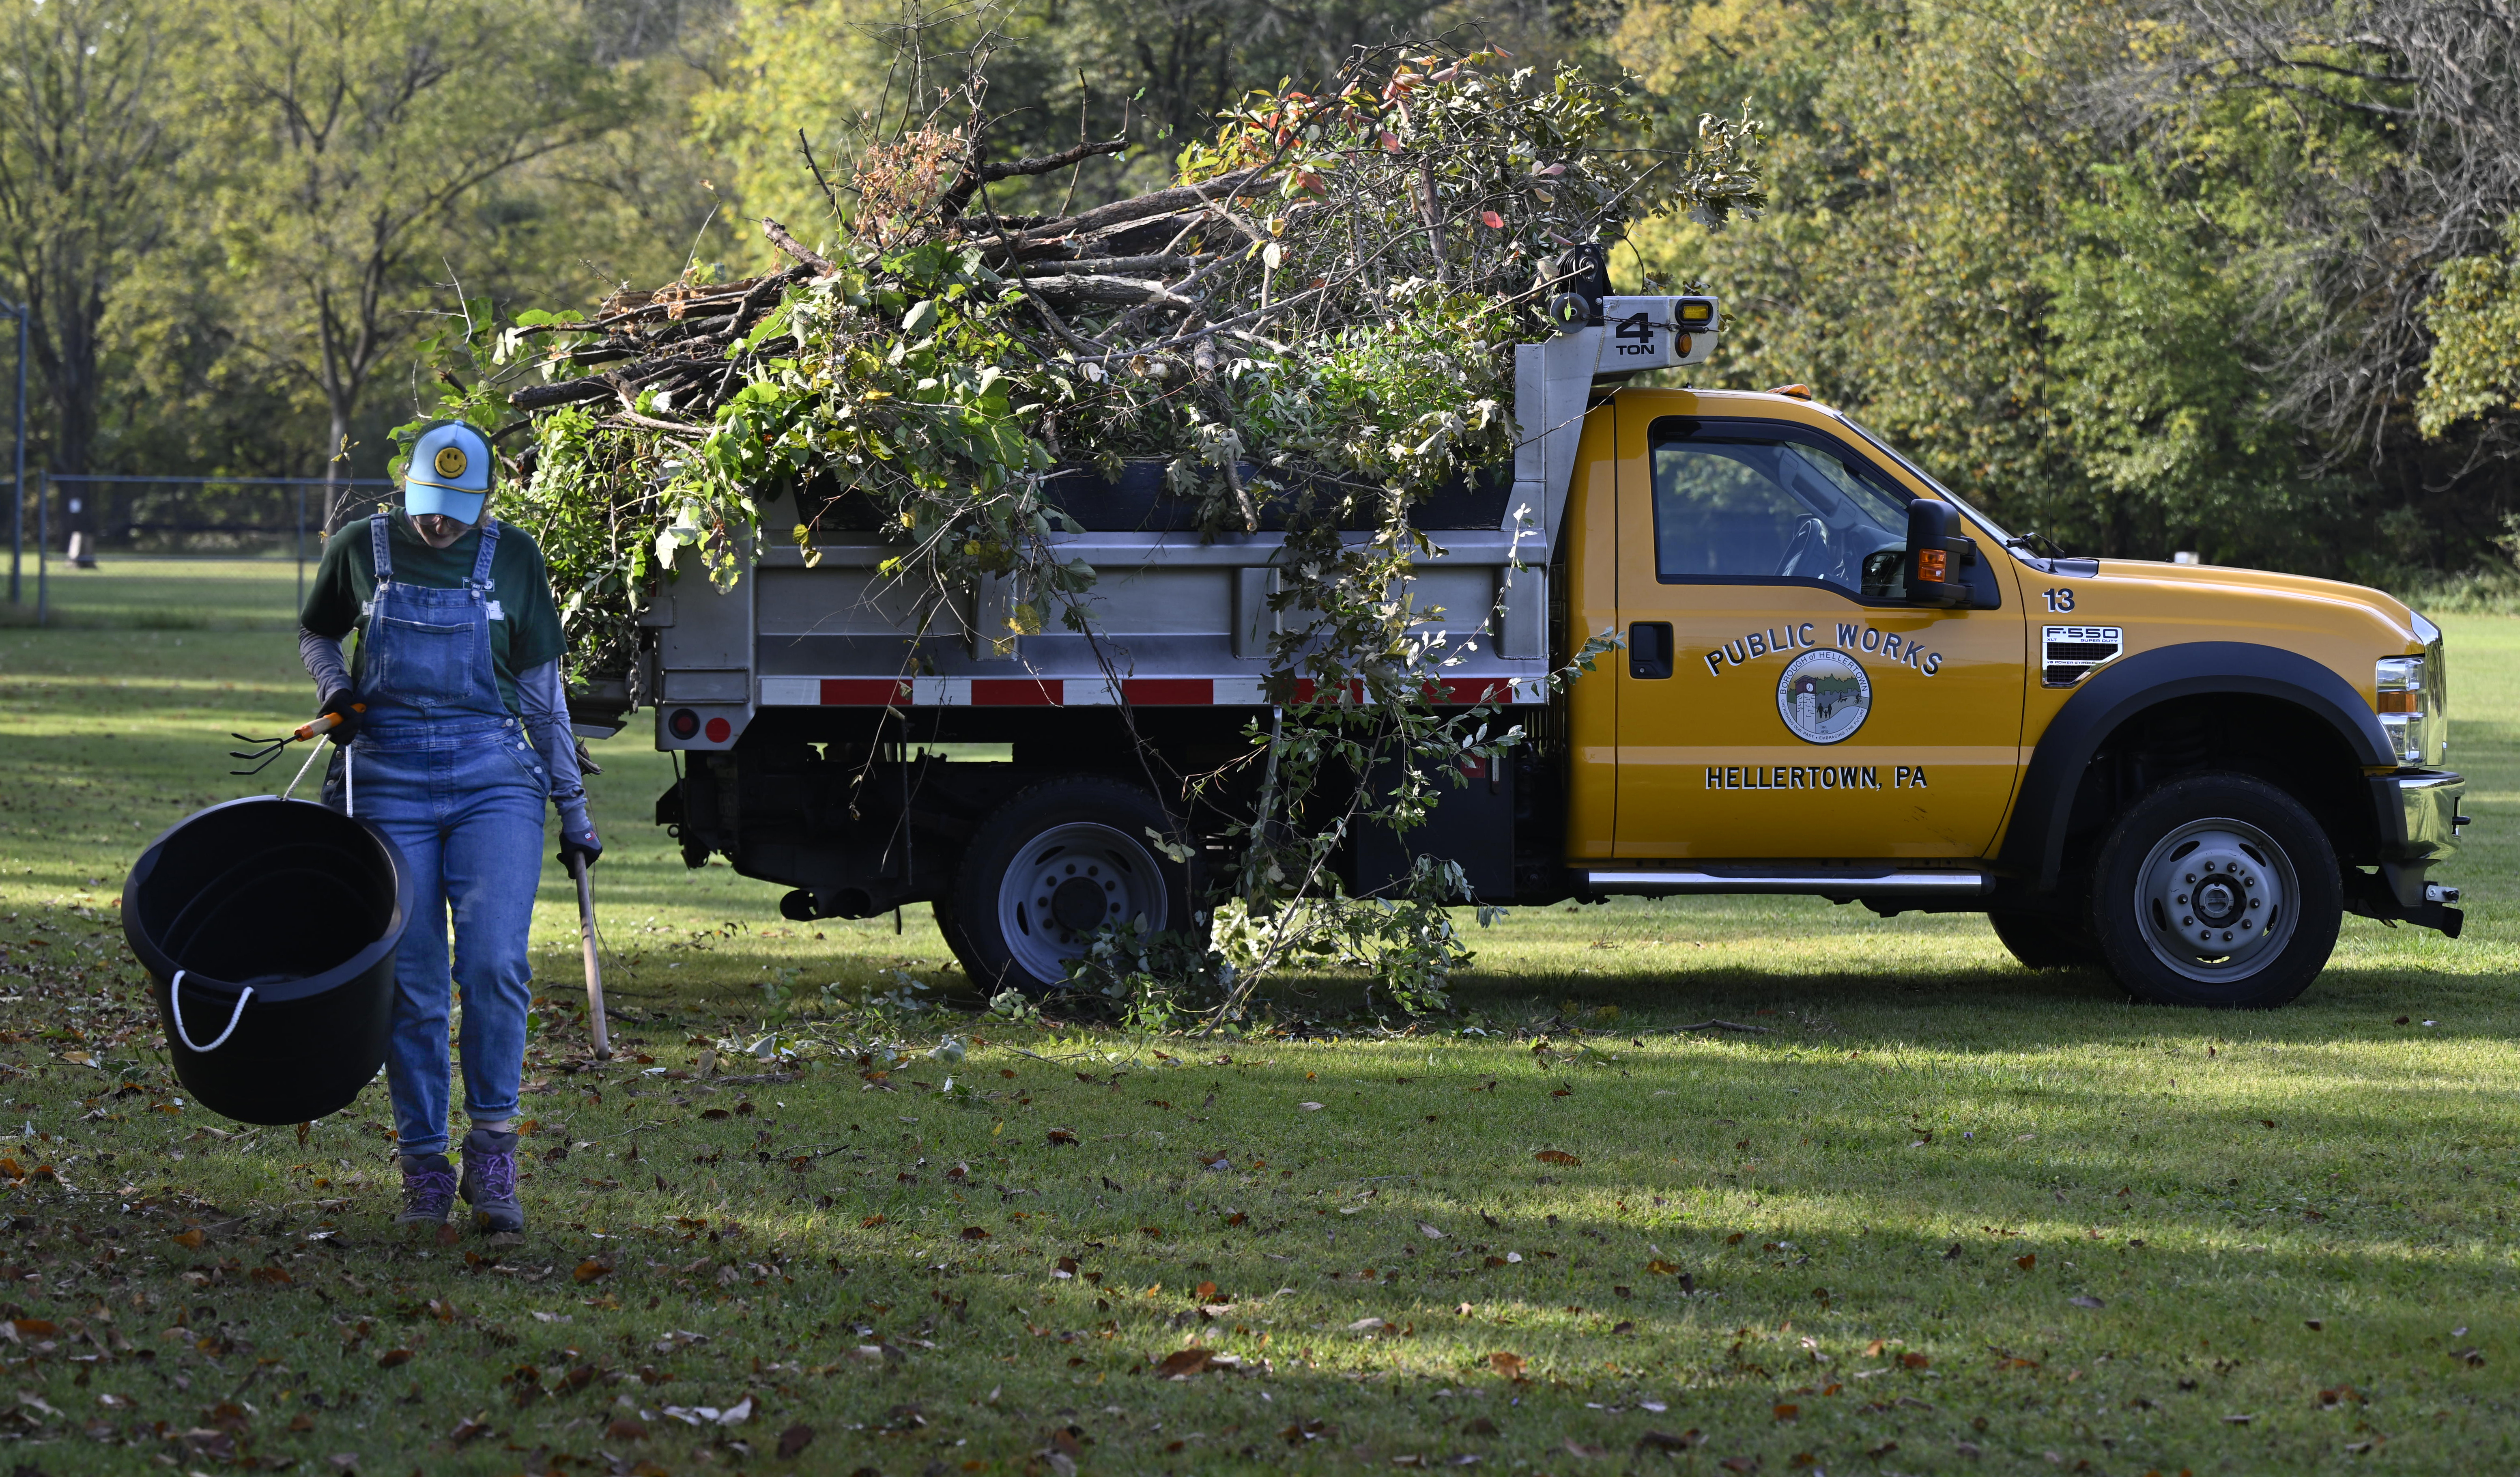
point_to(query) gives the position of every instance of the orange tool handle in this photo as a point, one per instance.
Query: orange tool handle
(323, 722)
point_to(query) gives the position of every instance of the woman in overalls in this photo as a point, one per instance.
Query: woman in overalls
(455, 733)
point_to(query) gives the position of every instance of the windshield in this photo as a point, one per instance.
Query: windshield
(1923, 476)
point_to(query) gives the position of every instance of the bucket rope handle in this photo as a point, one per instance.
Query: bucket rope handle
(175, 1008)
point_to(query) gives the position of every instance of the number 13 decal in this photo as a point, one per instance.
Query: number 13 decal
(2060, 599)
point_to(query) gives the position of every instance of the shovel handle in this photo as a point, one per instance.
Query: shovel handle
(594, 970)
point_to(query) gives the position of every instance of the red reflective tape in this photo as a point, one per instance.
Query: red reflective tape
(1153, 692)
(1014, 692)
(864, 692)
(1306, 689)
(1462, 694)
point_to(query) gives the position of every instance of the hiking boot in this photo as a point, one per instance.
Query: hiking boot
(427, 1189)
(490, 1181)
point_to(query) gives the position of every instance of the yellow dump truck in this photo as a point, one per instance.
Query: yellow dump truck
(1837, 679)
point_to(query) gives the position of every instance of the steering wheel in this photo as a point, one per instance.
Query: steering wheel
(1810, 542)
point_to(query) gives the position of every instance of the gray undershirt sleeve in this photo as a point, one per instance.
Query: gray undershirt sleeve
(322, 658)
(546, 706)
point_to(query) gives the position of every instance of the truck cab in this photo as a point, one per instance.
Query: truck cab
(2184, 773)
(1833, 678)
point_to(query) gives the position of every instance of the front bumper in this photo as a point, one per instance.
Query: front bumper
(2418, 814)
(2419, 821)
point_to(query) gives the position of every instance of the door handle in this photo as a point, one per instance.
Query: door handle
(1649, 650)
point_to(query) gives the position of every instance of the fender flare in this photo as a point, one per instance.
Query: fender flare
(2034, 844)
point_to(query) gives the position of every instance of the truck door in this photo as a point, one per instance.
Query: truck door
(1777, 697)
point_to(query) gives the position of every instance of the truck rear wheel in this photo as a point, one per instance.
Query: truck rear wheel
(1050, 866)
(2043, 940)
(2217, 890)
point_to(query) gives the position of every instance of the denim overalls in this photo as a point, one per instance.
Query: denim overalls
(443, 768)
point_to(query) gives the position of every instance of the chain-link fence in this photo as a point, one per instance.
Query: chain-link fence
(170, 552)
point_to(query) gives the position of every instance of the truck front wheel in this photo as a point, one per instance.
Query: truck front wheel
(2219, 891)
(1052, 865)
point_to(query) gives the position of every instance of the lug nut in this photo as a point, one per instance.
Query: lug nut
(2187, 923)
(2183, 899)
(2255, 902)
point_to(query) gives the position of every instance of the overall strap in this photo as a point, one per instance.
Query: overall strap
(489, 545)
(379, 538)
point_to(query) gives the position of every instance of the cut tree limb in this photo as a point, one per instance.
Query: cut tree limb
(1160, 203)
(1092, 286)
(564, 393)
(1167, 263)
(950, 205)
(780, 238)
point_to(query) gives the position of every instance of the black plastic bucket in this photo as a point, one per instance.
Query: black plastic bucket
(268, 928)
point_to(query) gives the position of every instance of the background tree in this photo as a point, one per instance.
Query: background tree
(358, 144)
(89, 118)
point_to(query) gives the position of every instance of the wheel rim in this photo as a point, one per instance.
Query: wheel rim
(1067, 881)
(2216, 899)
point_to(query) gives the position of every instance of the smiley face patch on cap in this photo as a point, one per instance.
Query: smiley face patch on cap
(450, 461)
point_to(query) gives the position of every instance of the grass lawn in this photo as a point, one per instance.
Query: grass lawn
(1936, 1215)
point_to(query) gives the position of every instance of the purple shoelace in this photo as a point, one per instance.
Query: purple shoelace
(494, 1177)
(430, 1189)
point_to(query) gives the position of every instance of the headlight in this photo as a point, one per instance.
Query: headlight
(2412, 699)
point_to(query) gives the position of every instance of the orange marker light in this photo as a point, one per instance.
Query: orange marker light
(1930, 563)
(2402, 701)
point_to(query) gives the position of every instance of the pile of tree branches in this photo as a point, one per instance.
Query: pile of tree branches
(1313, 328)
(1320, 314)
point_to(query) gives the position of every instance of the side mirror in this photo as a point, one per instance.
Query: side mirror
(1938, 556)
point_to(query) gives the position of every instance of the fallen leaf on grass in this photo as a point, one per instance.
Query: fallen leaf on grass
(1182, 1363)
(1576, 1448)
(1430, 1232)
(2237, 1420)
(700, 1416)
(1555, 1156)
(590, 1269)
(1916, 1361)
(1058, 1136)
(1666, 1269)
(1367, 1326)
(1664, 1441)
(794, 1440)
(1310, 1107)
(2026, 1262)
(393, 1356)
(469, 1430)
(2088, 1301)
(1787, 1412)
(975, 1233)
(870, 1221)
(1507, 1365)
(1482, 1426)
(627, 1429)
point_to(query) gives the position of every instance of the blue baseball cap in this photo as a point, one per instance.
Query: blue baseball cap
(449, 473)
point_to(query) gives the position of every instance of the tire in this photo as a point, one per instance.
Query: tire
(950, 926)
(2170, 861)
(1049, 867)
(2045, 941)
